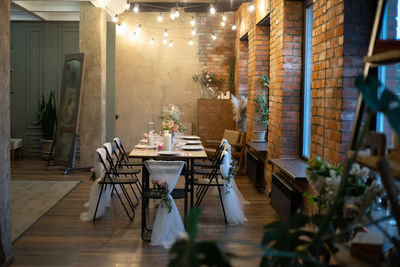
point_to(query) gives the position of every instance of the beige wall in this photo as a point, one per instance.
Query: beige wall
(149, 77)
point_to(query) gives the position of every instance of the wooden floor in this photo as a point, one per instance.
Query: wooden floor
(60, 238)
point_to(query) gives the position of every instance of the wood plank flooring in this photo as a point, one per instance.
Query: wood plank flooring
(60, 238)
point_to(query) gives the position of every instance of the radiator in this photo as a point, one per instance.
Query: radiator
(285, 198)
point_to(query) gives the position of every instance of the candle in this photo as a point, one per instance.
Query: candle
(167, 141)
(151, 140)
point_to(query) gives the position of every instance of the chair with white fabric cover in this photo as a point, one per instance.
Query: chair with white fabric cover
(168, 225)
(111, 178)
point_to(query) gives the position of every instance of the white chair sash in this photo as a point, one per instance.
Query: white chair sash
(168, 225)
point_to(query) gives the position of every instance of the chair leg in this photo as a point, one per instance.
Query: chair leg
(120, 199)
(128, 198)
(137, 199)
(222, 202)
(98, 201)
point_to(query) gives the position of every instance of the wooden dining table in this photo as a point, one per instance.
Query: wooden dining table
(187, 156)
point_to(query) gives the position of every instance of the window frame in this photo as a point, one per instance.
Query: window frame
(306, 4)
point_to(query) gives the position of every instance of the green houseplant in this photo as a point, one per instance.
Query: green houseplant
(47, 117)
(262, 111)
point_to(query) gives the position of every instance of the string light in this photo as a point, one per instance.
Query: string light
(191, 42)
(193, 31)
(134, 36)
(176, 13)
(213, 36)
(165, 40)
(136, 8)
(224, 17)
(171, 44)
(152, 41)
(128, 5)
(233, 27)
(192, 21)
(212, 9)
(251, 7)
(223, 23)
(139, 28)
(165, 33)
(121, 28)
(159, 18)
(115, 19)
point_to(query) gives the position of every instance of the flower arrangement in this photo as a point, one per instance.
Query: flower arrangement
(208, 81)
(361, 191)
(231, 174)
(262, 105)
(161, 187)
(170, 120)
(239, 111)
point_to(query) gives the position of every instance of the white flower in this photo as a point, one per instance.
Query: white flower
(183, 236)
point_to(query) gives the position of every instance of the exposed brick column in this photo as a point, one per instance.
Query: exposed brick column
(241, 68)
(215, 54)
(285, 81)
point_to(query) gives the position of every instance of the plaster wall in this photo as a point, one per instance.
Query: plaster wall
(5, 226)
(149, 77)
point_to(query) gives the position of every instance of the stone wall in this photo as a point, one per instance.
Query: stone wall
(5, 217)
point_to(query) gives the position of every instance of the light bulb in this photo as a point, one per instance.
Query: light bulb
(115, 18)
(193, 31)
(191, 42)
(251, 7)
(152, 41)
(172, 15)
(165, 33)
(127, 5)
(223, 23)
(213, 36)
(192, 21)
(212, 9)
(171, 44)
(139, 28)
(224, 17)
(121, 28)
(136, 8)
(176, 13)
(233, 27)
(165, 40)
(159, 18)
(133, 36)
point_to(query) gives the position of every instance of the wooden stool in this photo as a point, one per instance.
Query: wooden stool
(16, 144)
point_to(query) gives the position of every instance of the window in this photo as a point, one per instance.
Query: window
(389, 75)
(307, 70)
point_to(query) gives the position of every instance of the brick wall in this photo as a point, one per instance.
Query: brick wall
(214, 55)
(241, 67)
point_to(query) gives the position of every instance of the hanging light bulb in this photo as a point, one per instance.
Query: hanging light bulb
(176, 13)
(214, 36)
(171, 44)
(165, 33)
(251, 7)
(152, 41)
(224, 17)
(159, 18)
(212, 9)
(193, 31)
(165, 40)
(127, 5)
(172, 14)
(139, 28)
(121, 28)
(223, 23)
(190, 42)
(192, 21)
(115, 19)
(136, 8)
(233, 27)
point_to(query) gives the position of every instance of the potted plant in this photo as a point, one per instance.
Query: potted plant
(262, 111)
(47, 116)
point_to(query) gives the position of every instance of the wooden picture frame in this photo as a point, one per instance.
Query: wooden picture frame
(69, 110)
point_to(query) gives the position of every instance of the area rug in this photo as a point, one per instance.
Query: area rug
(30, 200)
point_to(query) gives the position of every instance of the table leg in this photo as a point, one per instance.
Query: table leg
(191, 182)
(145, 179)
(186, 189)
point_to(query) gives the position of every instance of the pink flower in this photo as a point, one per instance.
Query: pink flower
(175, 129)
(171, 122)
(161, 182)
(92, 170)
